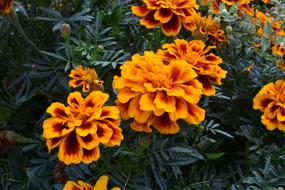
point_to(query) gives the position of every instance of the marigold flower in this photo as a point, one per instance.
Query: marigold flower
(266, 1)
(85, 77)
(205, 28)
(205, 64)
(5, 6)
(169, 14)
(263, 19)
(271, 101)
(243, 5)
(80, 127)
(101, 184)
(154, 93)
(278, 50)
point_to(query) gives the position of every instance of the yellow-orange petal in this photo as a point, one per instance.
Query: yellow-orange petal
(88, 142)
(192, 94)
(84, 186)
(110, 112)
(208, 89)
(271, 110)
(104, 132)
(54, 127)
(270, 124)
(149, 21)
(172, 27)
(162, 101)
(96, 99)
(163, 15)
(142, 127)
(75, 100)
(126, 94)
(140, 10)
(53, 143)
(164, 125)
(147, 101)
(90, 156)
(70, 150)
(101, 183)
(181, 111)
(195, 114)
(181, 71)
(57, 110)
(70, 185)
(86, 129)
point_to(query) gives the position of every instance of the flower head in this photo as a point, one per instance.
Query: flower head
(271, 101)
(205, 28)
(154, 93)
(101, 184)
(5, 6)
(195, 53)
(85, 77)
(243, 5)
(169, 14)
(80, 127)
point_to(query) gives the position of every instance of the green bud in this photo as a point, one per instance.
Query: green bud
(65, 30)
(229, 29)
(16, 138)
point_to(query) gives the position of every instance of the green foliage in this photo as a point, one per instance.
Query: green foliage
(231, 149)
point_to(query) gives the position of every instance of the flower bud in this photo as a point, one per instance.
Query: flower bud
(65, 30)
(229, 29)
(224, 11)
(210, 12)
(217, 19)
(15, 138)
(5, 6)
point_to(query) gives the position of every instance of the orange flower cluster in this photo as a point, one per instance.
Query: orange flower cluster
(271, 101)
(169, 14)
(278, 30)
(243, 5)
(205, 28)
(101, 184)
(80, 127)
(159, 89)
(85, 77)
(195, 53)
(5, 6)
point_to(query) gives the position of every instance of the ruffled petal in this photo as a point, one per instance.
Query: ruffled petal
(162, 101)
(164, 125)
(195, 114)
(91, 155)
(88, 142)
(172, 27)
(70, 150)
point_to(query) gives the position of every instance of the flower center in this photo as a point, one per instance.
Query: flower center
(161, 81)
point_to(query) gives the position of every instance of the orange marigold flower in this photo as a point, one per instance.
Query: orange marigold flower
(85, 77)
(154, 93)
(205, 28)
(243, 5)
(278, 50)
(281, 63)
(5, 6)
(169, 14)
(101, 184)
(205, 64)
(263, 19)
(266, 1)
(271, 101)
(80, 127)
